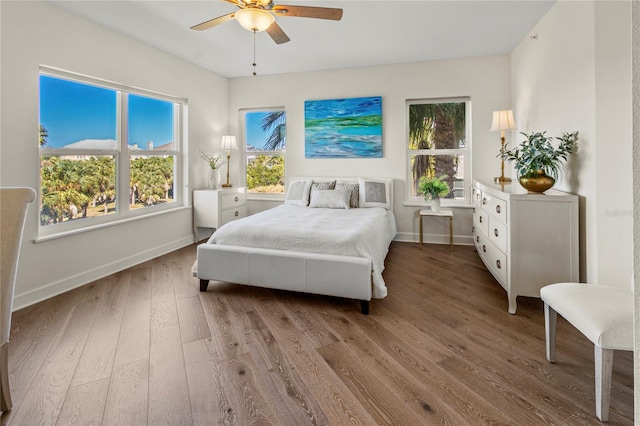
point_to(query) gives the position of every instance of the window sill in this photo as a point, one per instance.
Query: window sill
(443, 205)
(71, 232)
(265, 197)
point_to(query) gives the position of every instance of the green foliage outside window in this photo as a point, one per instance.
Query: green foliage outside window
(265, 174)
(81, 188)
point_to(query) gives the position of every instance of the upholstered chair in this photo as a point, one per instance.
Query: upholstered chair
(604, 314)
(13, 210)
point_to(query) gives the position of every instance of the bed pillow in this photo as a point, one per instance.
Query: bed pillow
(374, 193)
(322, 186)
(298, 193)
(330, 199)
(354, 202)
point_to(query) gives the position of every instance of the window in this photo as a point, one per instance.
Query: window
(264, 147)
(439, 143)
(107, 151)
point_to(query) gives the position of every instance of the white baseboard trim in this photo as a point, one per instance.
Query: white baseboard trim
(411, 237)
(61, 286)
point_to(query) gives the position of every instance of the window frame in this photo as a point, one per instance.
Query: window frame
(419, 201)
(122, 155)
(245, 154)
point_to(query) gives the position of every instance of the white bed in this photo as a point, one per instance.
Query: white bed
(331, 251)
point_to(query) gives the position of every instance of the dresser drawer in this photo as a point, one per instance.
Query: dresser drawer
(228, 201)
(233, 214)
(498, 233)
(495, 206)
(477, 196)
(481, 220)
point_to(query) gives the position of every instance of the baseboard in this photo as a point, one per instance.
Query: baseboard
(61, 286)
(411, 237)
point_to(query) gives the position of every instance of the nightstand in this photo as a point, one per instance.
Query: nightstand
(439, 213)
(212, 208)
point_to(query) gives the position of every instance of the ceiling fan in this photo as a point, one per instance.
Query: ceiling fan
(259, 15)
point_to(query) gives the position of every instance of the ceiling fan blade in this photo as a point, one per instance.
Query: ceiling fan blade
(213, 22)
(308, 12)
(277, 34)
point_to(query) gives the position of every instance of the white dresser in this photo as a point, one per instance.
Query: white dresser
(213, 208)
(526, 240)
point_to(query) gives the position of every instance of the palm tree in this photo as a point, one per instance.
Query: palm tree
(274, 120)
(44, 135)
(436, 126)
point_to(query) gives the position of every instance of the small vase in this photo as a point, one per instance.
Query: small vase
(214, 178)
(536, 182)
(435, 204)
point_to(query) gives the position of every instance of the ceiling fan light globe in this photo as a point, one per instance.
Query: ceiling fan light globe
(254, 19)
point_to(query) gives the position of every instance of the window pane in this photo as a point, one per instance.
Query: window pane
(265, 174)
(76, 115)
(265, 131)
(151, 123)
(76, 187)
(151, 180)
(436, 166)
(437, 126)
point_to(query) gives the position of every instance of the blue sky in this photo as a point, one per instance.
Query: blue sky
(73, 111)
(256, 137)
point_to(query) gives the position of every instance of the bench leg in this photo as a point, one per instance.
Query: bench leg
(204, 284)
(603, 364)
(550, 321)
(364, 307)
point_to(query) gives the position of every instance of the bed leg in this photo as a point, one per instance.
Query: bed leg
(204, 284)
(364, 307)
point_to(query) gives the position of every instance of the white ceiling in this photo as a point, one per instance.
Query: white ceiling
(371, 32)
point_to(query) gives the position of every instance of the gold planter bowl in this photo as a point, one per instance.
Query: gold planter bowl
(536, 182)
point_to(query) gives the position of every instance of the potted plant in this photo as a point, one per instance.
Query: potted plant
(432, 188)
(215, 161)
(537, 162)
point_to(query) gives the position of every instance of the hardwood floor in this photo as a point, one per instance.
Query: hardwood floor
(144, 346)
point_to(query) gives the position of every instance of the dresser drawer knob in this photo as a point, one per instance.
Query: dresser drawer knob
(484, 248)
(498, 264)
(478, 239)
(237, 213)
(480, 219)
(236, 200)
(473, 229)
(484, 201)
(497, 209)
(495, 232)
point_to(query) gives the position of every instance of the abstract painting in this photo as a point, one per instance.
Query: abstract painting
(343, 128)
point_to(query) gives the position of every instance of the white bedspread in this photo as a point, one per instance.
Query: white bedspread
(361, 232)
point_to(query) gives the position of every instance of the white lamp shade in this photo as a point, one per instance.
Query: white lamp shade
(253, 19)
(229, 143)
(503, 120)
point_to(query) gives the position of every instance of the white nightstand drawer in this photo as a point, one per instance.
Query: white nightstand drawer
(481, 220)
(232, 200)
(233, 214)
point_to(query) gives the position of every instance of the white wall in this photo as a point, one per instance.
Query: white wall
(485, 80)
(636, 197)
(35, 33)
(578, 78)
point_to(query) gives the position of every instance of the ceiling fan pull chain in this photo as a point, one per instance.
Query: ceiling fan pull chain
(254, 52)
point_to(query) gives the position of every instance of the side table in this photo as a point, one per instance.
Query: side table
(439, 213)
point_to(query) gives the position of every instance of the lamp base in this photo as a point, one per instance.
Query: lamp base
(227, 185)
(500, 179)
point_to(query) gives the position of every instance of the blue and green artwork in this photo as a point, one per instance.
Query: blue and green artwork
(343, 128)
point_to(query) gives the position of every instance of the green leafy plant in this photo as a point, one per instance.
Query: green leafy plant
(537, 153)
(214, 160)
(433, 187)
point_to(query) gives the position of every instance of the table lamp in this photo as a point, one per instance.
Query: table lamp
(502, 120)
(228, 144)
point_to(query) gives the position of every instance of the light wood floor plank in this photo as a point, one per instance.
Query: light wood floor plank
(84, 405)
(133, 341)
(128, 396)
(164, 310)
(168, 391)
(193, 324)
